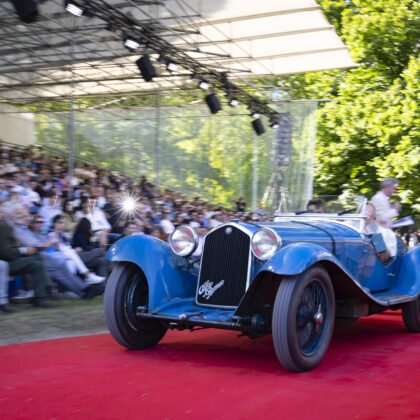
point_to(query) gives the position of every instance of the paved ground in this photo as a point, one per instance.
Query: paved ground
(72, 317)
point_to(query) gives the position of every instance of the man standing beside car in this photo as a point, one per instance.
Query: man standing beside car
(385, 210)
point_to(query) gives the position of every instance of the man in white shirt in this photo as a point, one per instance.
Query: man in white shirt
(385, 210)
(166, 222)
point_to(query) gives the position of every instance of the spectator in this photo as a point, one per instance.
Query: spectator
(194, 219)
(33, 198)
(52, 206)
(112, 210)
(23, 260)
(139, 227)
(385, 210)
(96, 216)
(157, 232)
(55, 261)
(83, 238)
(179, 220)
(316, 205)
(69, 214)
(130, 228)
(166, 223)
(73, 260)
(261, 213)
(216, 220)
(85, 244)
(240, 204)
(4, 288)
(411, 238)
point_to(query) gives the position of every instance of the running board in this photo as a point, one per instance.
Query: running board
(389, 299)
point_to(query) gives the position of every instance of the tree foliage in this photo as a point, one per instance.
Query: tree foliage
(370, 128)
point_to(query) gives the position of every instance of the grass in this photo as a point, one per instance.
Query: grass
(71, 317)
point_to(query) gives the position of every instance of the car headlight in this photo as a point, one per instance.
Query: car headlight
(184, 241)
(264, 243)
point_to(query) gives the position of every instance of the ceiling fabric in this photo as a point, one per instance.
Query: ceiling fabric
(61, 55)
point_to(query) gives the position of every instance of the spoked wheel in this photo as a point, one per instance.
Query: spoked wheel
(303, 319)
(411, 315)
(127, 289)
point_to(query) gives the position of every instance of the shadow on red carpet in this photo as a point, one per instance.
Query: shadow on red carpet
(371, 371)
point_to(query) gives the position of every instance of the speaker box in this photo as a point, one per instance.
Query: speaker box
(258, 126)
(146, 68)
(213, 103)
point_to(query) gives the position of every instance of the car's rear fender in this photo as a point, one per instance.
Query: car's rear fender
(167, 274)
(293, 260)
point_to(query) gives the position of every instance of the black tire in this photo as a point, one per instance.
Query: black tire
(127, 289)
(411, 315)
(303, 319)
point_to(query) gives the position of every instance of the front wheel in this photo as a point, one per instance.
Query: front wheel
(126, 290)
(303, 319)
(411, 315)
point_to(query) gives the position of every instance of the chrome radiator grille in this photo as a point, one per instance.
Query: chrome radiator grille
(224, 267)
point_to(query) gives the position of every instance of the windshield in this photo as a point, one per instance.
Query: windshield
(346, 208)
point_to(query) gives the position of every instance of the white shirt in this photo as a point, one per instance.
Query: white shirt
(167, 226)
(97, 218)
(384, 211)
(32, 196)
(48, 213)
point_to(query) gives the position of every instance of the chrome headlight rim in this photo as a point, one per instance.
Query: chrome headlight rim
(187, 251)
(276, 245)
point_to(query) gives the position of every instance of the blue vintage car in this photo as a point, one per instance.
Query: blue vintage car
(293, 278)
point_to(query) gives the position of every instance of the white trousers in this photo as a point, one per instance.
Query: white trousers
(73, 262)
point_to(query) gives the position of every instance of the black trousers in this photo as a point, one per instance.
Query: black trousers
(33, 265)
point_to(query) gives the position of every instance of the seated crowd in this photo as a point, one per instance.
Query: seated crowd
(57, 240)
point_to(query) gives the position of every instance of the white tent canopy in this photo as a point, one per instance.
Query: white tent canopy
(61, 55)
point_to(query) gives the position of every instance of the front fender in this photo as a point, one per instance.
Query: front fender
(167, 274)
(295, 258)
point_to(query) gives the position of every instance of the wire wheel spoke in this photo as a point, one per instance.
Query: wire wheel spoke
(311, 316)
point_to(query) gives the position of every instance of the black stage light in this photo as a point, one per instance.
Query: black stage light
(258, 127)
(146, 68)
(27, 10)
(213, 103)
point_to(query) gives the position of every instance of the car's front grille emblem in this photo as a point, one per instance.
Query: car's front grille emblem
(228, 230)
(207, 289)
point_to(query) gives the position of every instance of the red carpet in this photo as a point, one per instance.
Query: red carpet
(371, 371)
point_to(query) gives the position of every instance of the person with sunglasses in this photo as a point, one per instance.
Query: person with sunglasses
(55, 261)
